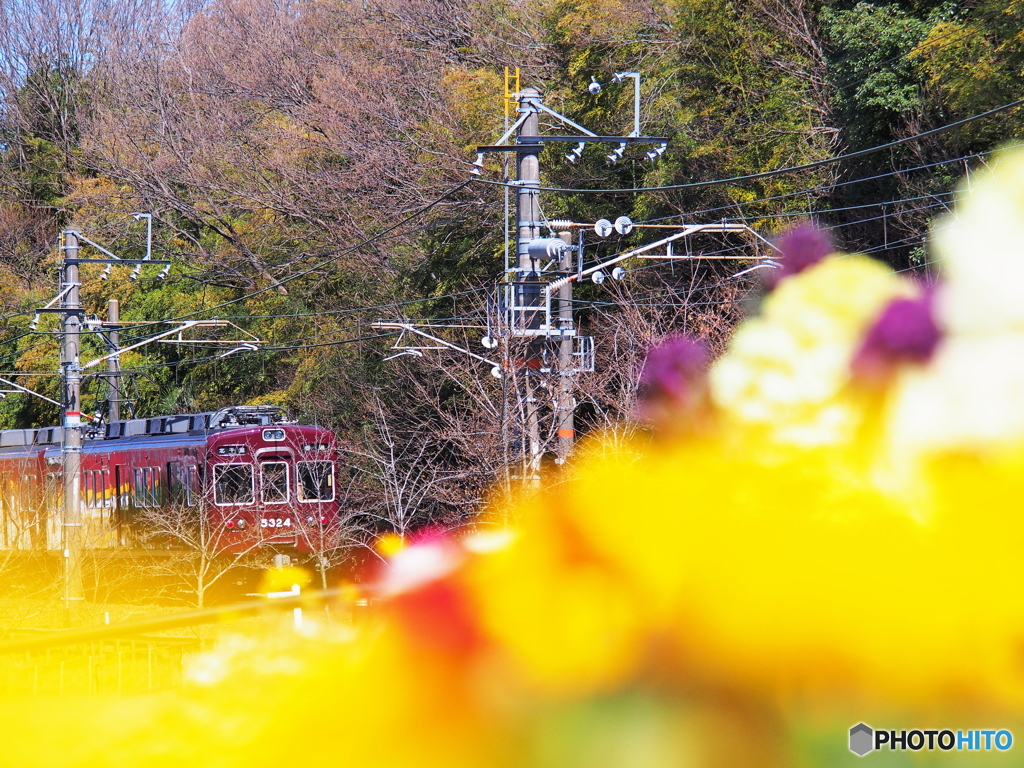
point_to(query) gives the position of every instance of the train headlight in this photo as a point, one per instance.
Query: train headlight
(310, 520)
(240, 524)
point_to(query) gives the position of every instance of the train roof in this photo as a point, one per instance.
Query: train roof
(177, 424)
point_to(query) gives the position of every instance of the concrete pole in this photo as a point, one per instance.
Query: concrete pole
(528, 228)
(564, 397)
(72, 444)
(114, 363)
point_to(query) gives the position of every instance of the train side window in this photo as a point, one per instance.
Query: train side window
(274, 482)
(232, 484)
(94, 489)
(316, 480)
(146, 491)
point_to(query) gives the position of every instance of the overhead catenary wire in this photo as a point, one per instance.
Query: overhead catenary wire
(312, 340)
(343, 252)
(463, 184)
(307, 341)
(452, 191)
(828, 187)
(777, 171)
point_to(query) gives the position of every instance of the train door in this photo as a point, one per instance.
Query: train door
(181, 483)
(8, 497)
(50, 513)
(26, 499)
(122, 504)
(13, 487)
(101, 526)
(275, 495)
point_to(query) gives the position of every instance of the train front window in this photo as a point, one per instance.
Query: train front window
(316, 480)
(232, 484)
(274, 482)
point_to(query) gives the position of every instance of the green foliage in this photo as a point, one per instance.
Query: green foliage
(973, 63)
(267, 151)
(40, 131)
(876, 82)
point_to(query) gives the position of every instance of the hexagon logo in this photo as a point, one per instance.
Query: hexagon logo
(862, 739)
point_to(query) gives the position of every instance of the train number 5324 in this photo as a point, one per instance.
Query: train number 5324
(275, 522)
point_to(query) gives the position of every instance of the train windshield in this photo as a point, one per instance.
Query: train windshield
(274, 482)
(316, 480)
(232, 484)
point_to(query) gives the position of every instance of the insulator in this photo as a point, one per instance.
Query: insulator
(561, 225)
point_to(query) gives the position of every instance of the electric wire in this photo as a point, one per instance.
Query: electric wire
(777, 171)
(345, 251)
(296, 345)
(828, 187)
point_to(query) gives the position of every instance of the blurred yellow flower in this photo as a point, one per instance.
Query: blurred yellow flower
(787, 371)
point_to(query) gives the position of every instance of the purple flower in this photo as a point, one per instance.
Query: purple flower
(905, 331)
(674, 373)
(801, 247)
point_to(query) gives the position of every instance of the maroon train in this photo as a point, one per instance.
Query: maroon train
(256, 477)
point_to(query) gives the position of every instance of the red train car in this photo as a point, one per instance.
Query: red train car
(249, 474)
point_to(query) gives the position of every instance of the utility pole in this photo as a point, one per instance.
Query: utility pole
(534, 323)
(71, 451)
(529, 291)
(114, 363)
(70, 299)
(70, 309)
(565, 400)
(551, 329)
